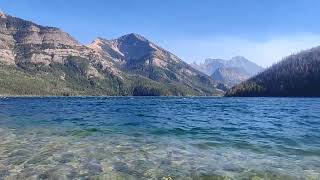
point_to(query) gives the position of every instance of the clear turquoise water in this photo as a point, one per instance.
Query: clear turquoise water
(159, 138)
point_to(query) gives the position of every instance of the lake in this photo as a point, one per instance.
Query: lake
(159, 138)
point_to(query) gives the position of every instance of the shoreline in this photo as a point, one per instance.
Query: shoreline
(2, 95)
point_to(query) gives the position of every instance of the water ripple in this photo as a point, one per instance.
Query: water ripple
(159, 138)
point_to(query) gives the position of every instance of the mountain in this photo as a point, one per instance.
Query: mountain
(209, 66)
(230, 76)
(137, 55)
(295, 76)
(230, 72)
(41, 60)
(244, 64)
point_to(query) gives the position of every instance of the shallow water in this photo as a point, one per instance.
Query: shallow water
(159, 138)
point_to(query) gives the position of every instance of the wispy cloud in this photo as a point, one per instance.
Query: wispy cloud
(263, 52)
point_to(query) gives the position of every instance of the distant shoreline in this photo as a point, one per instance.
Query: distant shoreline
(95, 96)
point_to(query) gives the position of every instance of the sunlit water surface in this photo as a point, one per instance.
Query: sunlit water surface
(159, 138)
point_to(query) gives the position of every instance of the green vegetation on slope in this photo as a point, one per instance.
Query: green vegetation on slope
(128, 65)
(70, 79)
(297, 75)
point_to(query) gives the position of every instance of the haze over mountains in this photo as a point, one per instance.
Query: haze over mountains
(40, 60)
(229, 72)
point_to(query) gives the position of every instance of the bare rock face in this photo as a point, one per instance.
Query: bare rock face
(26, 32)
(26, 42)
(134, 49)
(6, 42)
(107, 49)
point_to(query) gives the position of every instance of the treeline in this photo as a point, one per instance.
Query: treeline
(296, 75)
(71, 79)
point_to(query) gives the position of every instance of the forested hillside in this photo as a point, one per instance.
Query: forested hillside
(296, 75)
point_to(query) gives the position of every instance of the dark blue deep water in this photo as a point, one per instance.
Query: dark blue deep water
(159, 138)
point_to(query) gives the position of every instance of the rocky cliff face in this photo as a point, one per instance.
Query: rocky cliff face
(129, 65)
(24, 42)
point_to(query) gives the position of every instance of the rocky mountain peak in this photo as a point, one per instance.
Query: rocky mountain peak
(209, 60)
(2, 14)
(97, 43)
(239, 58)
(133, 37)
(107, 48)
(127, 48)
(27, 32)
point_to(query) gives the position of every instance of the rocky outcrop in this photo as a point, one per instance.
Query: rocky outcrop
(26, 42)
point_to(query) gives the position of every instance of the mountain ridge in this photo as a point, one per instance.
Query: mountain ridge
(138, 55)
(54, 63)
(230, 72)
(210, 65)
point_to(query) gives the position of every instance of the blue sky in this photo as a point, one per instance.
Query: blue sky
(262, 30)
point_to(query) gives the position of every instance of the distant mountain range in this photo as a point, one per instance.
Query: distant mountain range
(295, 76)
(229, 72)
(40, 60)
